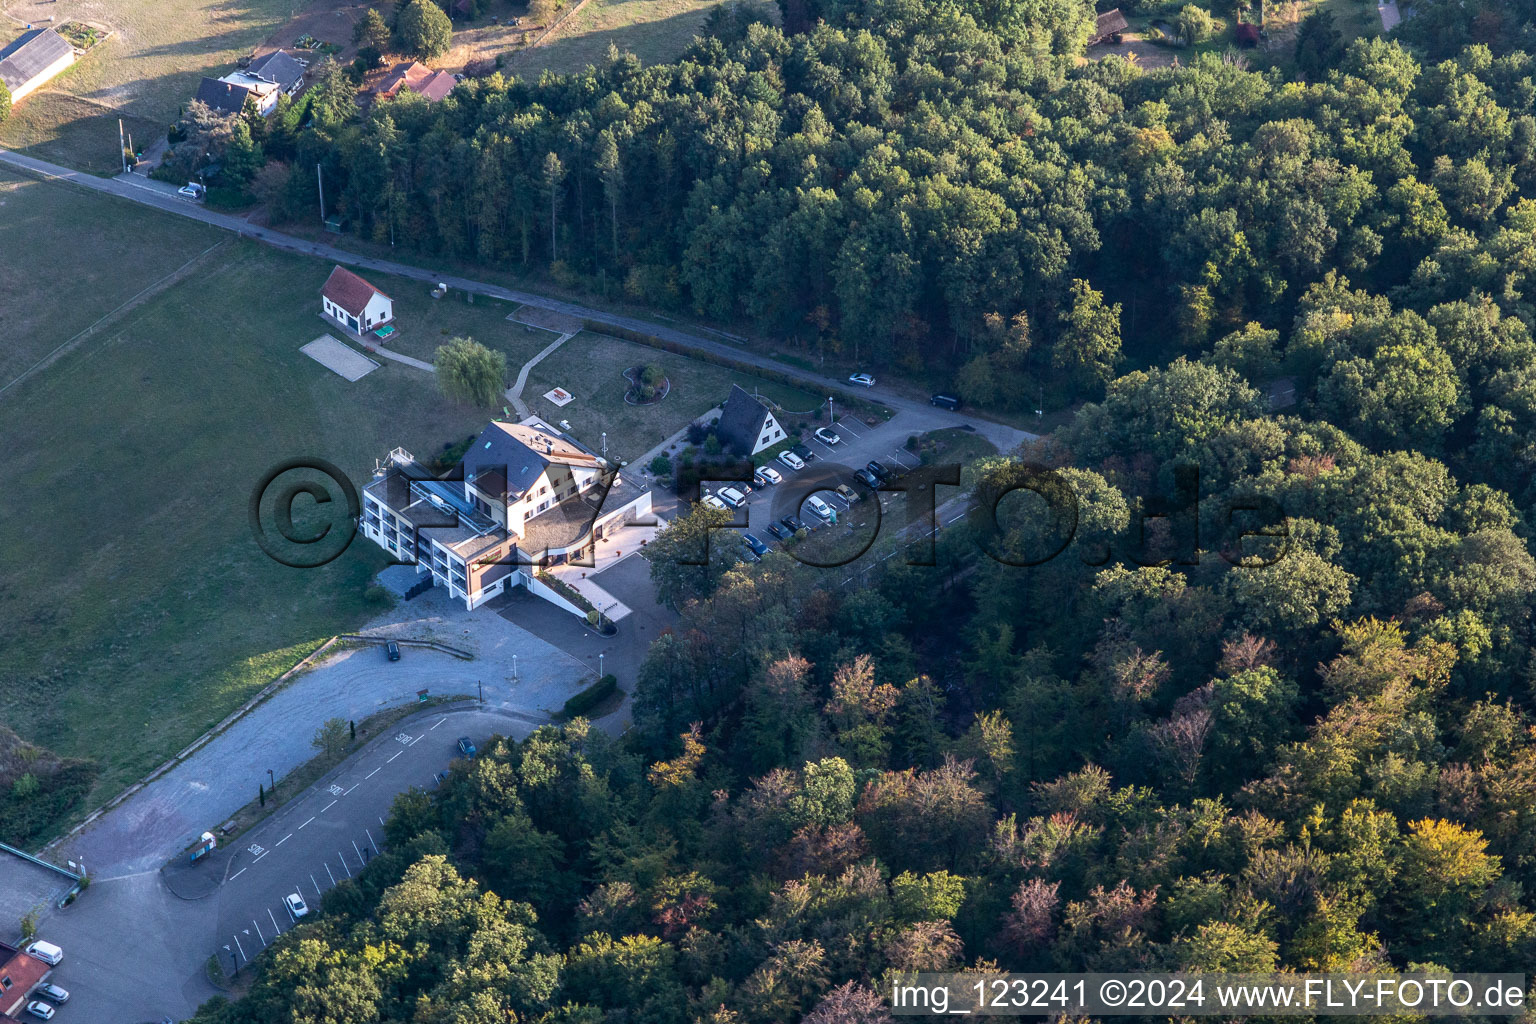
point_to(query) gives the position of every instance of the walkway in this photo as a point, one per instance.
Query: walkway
(623, 543)
(1005, 437)
(515, 392)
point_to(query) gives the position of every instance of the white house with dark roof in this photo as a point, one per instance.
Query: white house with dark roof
(31, 59)
(354, 303)
(281, 69)
(525, 495)
(746, 424)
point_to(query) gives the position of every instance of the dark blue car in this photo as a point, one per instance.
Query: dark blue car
(758, 547)
(467, 746)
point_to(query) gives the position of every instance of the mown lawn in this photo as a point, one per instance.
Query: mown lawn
(130, 248)
(656, 31)
(64, 129)
(135, 608)
(591, 367)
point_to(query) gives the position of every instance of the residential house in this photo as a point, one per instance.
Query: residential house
(1108, 26)
(354, 303)
(746, 424)
(525, 495)
(31, 59)
(418, 78)
(281, 69)
(224, 97)
(20, 973)
(264, 92)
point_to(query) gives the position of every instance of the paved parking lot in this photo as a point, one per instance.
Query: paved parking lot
(24, 887)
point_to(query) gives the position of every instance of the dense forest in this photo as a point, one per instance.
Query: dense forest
(1167, 746)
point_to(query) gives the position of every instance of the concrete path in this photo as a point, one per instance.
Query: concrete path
(148, 193)
(400, 357)
(515, 392)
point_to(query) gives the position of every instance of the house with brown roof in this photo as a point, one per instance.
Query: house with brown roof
(20, 973)
(1108, 26)
(354, 303)
(418, 78)
(525, 495)
(31, 59)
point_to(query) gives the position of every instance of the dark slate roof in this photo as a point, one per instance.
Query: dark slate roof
(1109, 23)
(26, 56)
(278, 67)
(741, 421)
(348, 291)
(507, 458)
(225, 97)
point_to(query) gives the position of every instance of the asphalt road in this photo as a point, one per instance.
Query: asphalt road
(150, 193)
(332, 831)
(134, 951)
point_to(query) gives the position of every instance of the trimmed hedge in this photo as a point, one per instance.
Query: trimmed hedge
(591, 697)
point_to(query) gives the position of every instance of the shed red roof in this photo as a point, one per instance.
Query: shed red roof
(349, 291)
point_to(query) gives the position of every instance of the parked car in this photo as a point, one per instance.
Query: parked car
(793, 523)
(791, 460)
(732, 497)
(828, 436)
(767, 476)
(392, 650)
(945, 401)
(847, 493)
(758, 547)
(713, 502)
(467, 746)
(191, 190)
(747, 554)
(863, 380)
(877, 469)
(780, 531)
(867, 478)
(296, 905)
(47, 952)
(820, 508)
(48, 990)
(806, 455)
(40, 1010)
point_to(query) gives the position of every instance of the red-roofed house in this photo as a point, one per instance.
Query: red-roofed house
(20, 973)
(418, 78)
(354, 303)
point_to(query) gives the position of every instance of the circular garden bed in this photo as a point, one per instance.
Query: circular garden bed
(647, 385)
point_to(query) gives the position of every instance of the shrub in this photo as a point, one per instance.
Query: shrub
(652, 376)
(660, 466)
(697, 432)
(591, 697)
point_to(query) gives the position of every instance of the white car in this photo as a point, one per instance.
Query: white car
(40, 1010)
(190, 191)
(791, 460)
(767, 475)
(819, 508)
(732, 497)
(863, 380)
(47, 952)
(713, 502)
(828, 436)
(296, 905)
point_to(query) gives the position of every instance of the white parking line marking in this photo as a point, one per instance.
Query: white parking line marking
(237, 874)
(373, 773)
(415, 741)
(344, 864)
(394, 755)
(260, 855)
(371, 842)
(328, 871)
(260, 936)
(328, 806)
(439, 722)
(357, 851)
(283, 840)
(307, 822)
(241, 949)
(349, 792)
(312, 882)
(274, 921)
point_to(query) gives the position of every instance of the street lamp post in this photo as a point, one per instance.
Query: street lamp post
(514, 668)
(831, 416)
(271, 781)
(599, 666)
(481, 687)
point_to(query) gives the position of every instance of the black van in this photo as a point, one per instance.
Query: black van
(945, 401)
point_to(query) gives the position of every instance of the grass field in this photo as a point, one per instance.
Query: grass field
(591, 367)
(152, 613)
(424, 323)
(653, 30)
(131, 248)
(65, 129)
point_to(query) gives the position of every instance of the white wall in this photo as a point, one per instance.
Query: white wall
(53, 69)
